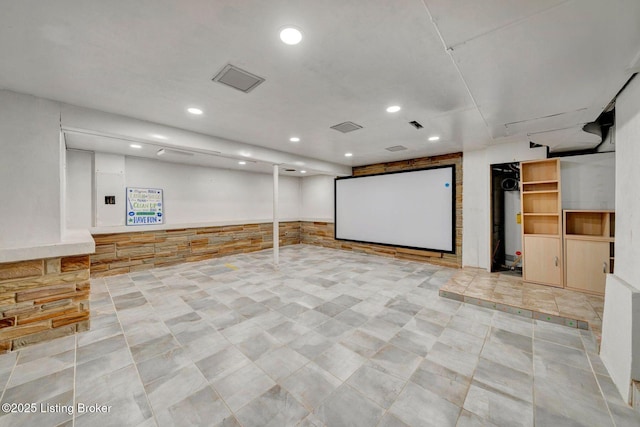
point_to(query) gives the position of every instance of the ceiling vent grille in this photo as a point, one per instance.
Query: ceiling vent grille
(237, 78)
(396, 148)
(346, 127)
(416, 125)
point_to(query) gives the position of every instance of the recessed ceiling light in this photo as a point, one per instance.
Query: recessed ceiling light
(241, 162)
(393, 109)
(157, 136)
(348, 154)
(294, 139)
(194, 111)
(290, 35)
(434, 138)
(135, 145)
(303, 171)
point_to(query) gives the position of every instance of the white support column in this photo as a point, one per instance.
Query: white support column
(276, 228)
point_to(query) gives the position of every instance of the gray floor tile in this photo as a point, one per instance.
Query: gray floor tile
(277, 345)
(340, 361)
(498, 408)
(504, 379)
(275, 408)
(222, 363)
(375, 384)
(162, 365)
(204, 407)
(414, 342)
(390, 420)
(347, 407)
(40, 389)
(570, 356)
(154, 347)
(362, 343)
(454, 359)
(444, 382)
(281, 362)
(311, 385)
(242, 386)
(396, 361)
(257, 345)
(174, 387)
(419, 407)
(311, 345)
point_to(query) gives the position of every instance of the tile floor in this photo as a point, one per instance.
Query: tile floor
(333, 338)
(559, 305)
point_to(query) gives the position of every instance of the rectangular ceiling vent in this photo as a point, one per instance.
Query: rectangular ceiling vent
(346, 127)
(396, 148)
(416, 125)
(237, 78)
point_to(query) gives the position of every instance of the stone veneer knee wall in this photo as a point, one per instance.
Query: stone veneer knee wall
(120, 253)
(43, 299)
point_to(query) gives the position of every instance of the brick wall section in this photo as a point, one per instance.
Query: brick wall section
(141, 250)
(43, 299)
(321, 233)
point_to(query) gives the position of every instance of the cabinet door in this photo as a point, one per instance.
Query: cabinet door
(587, 265)
(542, 261)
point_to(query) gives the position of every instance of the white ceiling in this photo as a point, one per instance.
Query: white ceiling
(471, 72)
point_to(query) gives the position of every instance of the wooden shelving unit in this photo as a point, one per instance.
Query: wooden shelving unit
(588, 249)
(541, 222)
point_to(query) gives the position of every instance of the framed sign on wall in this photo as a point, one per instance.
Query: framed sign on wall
(144, 206)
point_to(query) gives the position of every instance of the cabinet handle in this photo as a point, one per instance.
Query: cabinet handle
(604, 267)
(556, 261)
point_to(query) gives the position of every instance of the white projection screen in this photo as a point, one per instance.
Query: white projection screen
(414, 209)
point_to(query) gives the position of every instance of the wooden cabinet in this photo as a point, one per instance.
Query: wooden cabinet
(546, 266)
(588, 247)
(542, 222)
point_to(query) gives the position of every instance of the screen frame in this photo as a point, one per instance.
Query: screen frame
(453, 209)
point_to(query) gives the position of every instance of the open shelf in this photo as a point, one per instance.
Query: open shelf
(542, 224)
(589, 223)
(540, 171)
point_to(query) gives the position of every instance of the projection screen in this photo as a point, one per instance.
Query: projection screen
(414, 209)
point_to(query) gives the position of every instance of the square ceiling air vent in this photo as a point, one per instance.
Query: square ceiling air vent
(237, 78)
(346, 127)
(396, 148)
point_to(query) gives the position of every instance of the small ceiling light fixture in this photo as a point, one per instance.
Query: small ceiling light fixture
(290, 35)
(135, 145)
(434, 138)
(393, 109)
(303, 171)
(348, 154)
(160, 152)
(157, 136)
(195, 111)
(242, 162)
(294, 139)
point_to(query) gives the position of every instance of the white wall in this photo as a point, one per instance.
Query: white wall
(79, 170)
(109, 180)
(620, 349)
(317, 198)
(476, 170)
(588, 182)
(195, 194)
(192, 194)
(30, 173)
